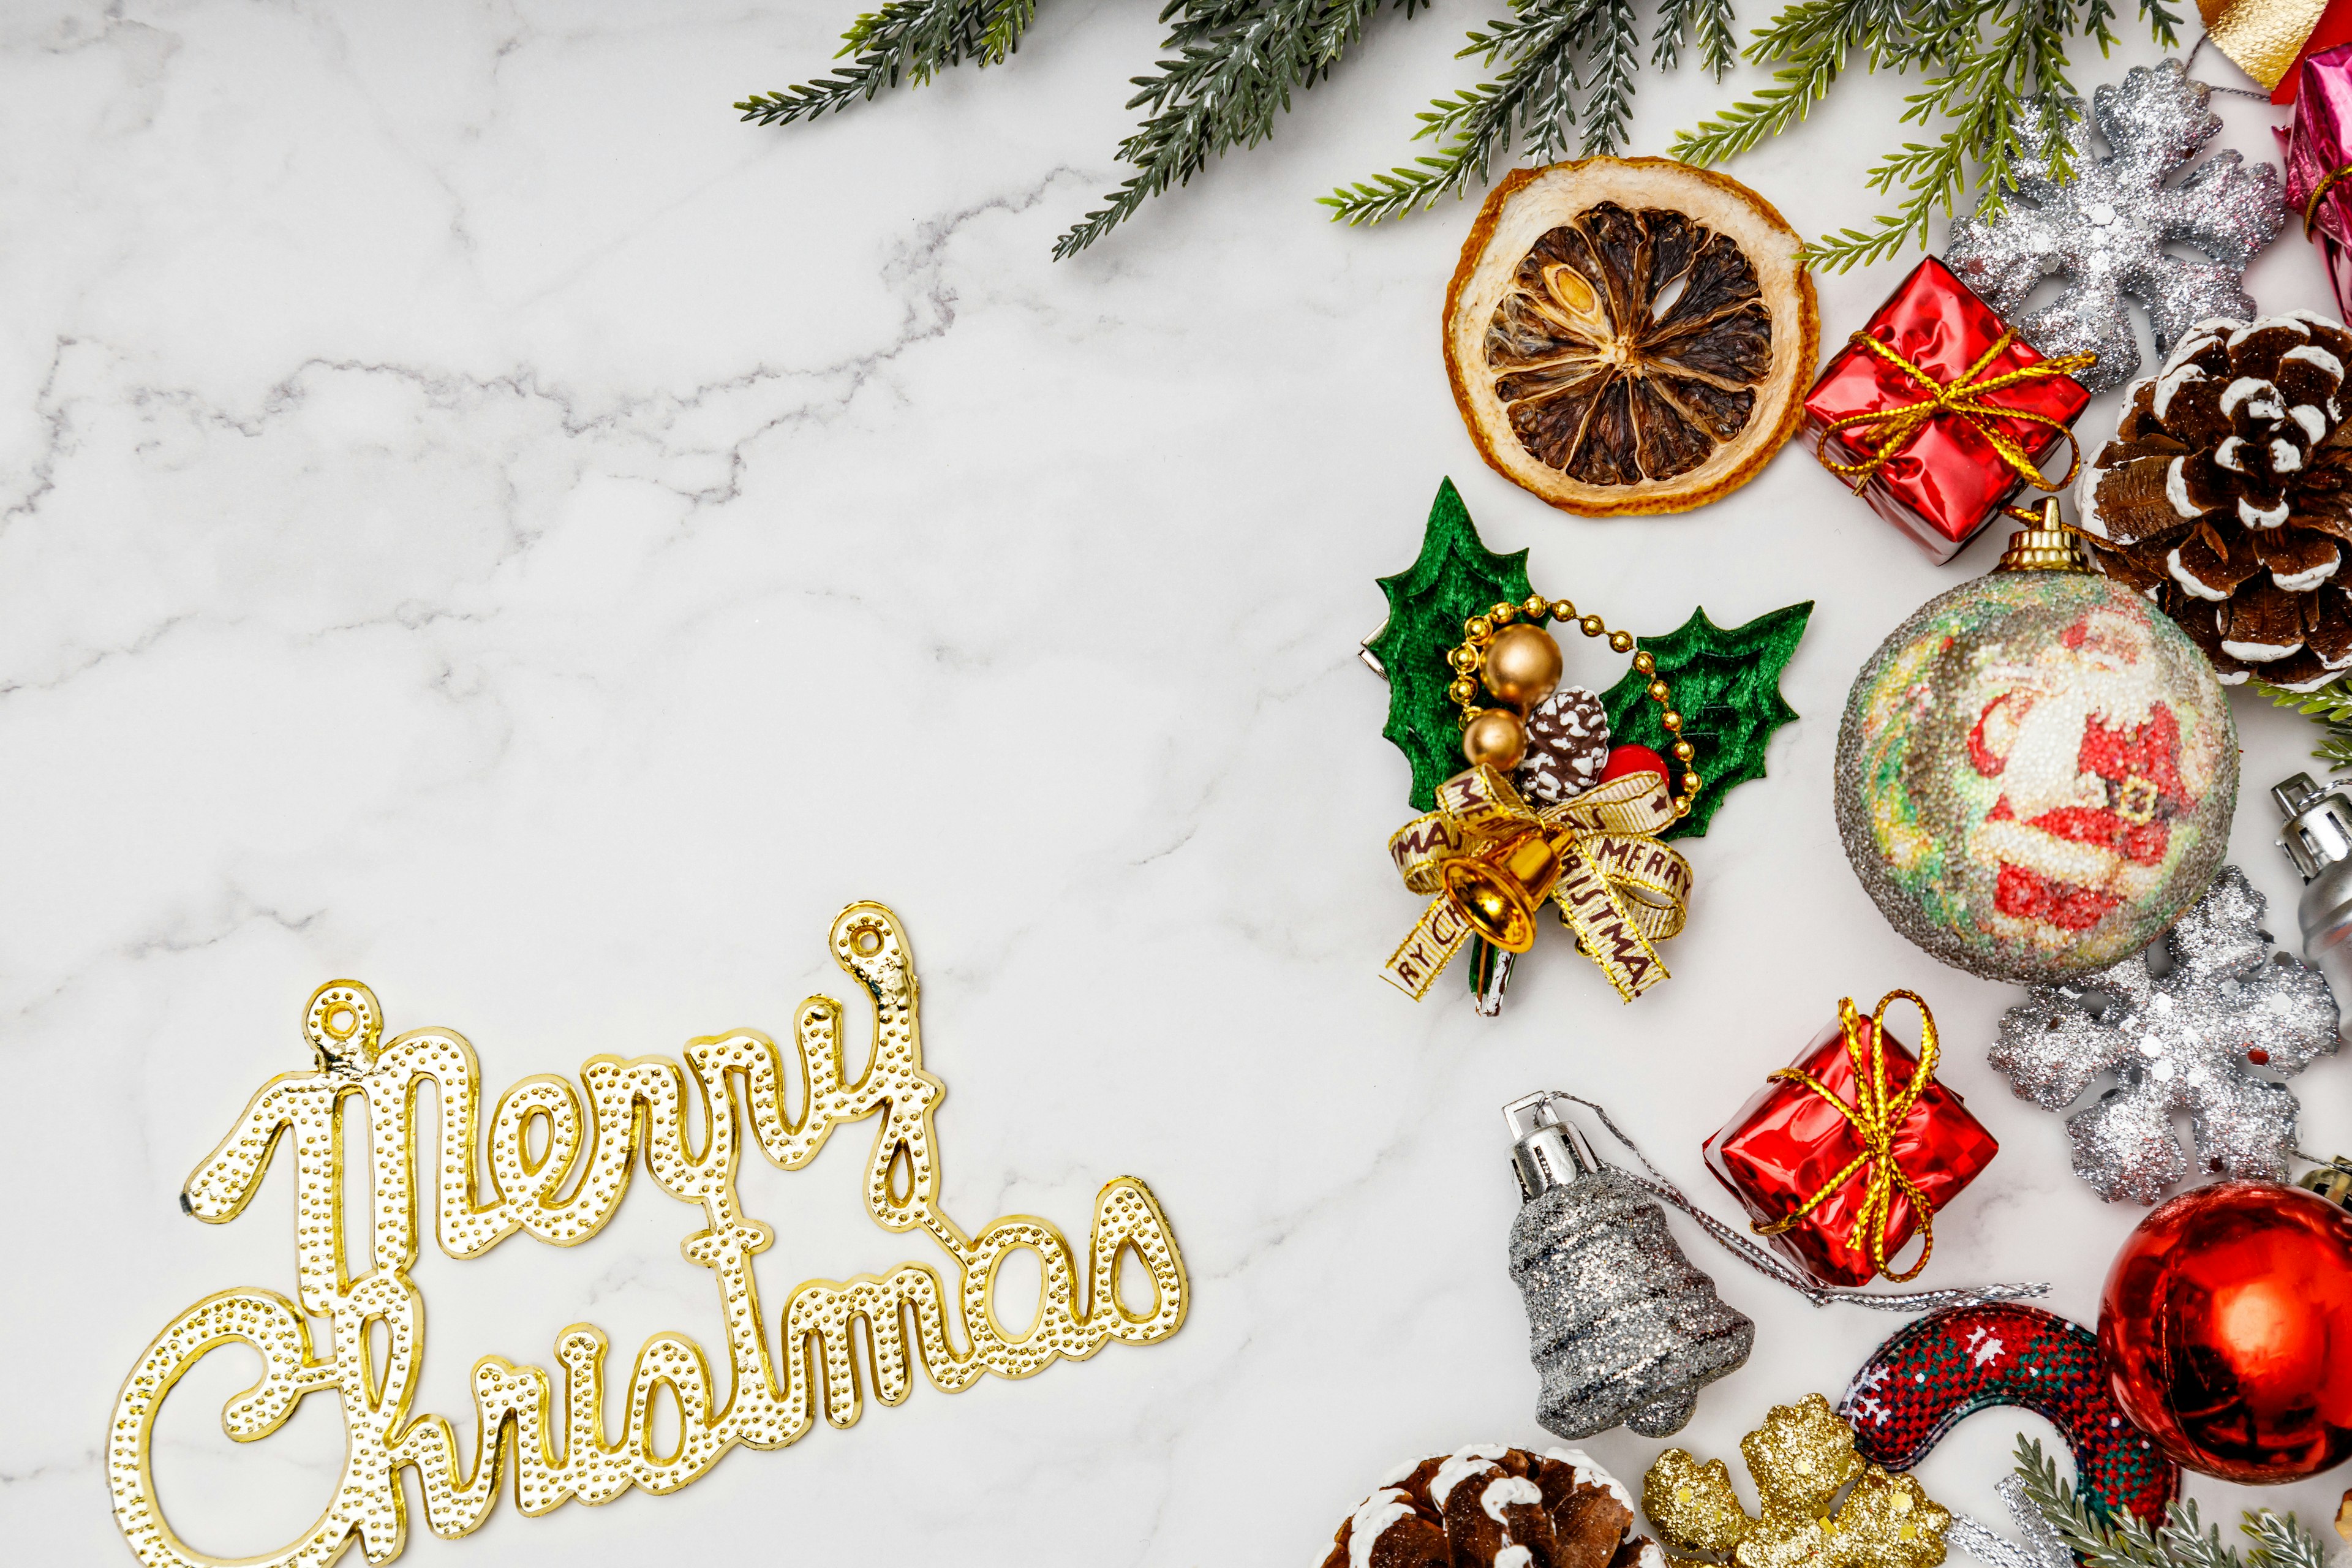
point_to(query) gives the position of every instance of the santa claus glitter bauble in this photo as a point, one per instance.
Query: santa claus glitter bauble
(2036, 771)
(2226, 1326)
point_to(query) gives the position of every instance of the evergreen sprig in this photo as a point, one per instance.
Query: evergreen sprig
(1992, 66)
(1235, 65)
(1532, 97)
(2330, 708)
(914, 39)
(2182, 1540)
(1560, 73)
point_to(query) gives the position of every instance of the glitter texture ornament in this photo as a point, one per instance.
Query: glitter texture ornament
(2181, 1042)
(1568, 745)
(1623, 1328)
(1799, 1459)
(1488, 1506)
(1933, 1373)
(2107, 230)
(2036, 771)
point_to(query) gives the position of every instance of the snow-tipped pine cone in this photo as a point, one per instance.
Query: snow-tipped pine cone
(2226, 496)
(1488, 1506)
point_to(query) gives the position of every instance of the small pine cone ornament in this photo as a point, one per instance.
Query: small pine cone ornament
(1487, 1506)
(2226, 496)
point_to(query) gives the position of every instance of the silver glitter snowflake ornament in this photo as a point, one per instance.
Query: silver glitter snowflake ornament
(2106, 230)
(2180, 1042)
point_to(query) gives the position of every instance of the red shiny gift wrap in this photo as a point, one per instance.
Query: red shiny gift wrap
(1944, 482)
(1789, 1142)
(2317, 147)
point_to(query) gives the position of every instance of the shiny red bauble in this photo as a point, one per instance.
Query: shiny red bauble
(2226, 1326)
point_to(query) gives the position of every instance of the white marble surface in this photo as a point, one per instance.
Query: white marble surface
(476, 518)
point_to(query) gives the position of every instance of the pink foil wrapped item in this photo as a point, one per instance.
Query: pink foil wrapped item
(2319, 145)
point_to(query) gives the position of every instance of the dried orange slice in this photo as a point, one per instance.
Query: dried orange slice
(1629, 334)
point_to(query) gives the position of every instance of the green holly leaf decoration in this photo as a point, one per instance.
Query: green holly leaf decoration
(1726, 686)
(1455, 578)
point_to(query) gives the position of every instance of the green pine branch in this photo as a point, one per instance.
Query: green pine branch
(913, 39)
(1610, 41)
(1233, 66)
(2122, 1540)
(1531, 97)
(2281, 1542)
(1990, 65)
(2330, 708)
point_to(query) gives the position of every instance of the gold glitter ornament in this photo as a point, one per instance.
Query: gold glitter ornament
(1798, 1459)
(550, 1431)
(2036, 771)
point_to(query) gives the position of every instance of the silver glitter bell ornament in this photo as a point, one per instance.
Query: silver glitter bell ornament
(1624, 1328)
(2318, 838)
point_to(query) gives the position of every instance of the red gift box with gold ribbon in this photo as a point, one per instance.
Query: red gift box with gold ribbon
(1942, 415)
(1838, 1159)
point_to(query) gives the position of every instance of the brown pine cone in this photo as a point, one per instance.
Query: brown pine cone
(2226, 496)
(1568, 746)
(1489, 1505)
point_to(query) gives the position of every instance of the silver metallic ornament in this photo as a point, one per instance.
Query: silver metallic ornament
(2318, 838)
(2182, 1040)
(1623, 1328)
(2107, 229)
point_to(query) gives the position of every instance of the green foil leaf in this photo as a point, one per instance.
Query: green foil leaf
(1726, 686)
(1455, 578)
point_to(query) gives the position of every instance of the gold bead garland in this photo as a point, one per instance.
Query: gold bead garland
(1468, 658)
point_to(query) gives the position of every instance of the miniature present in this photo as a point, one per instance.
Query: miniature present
(2318, 153)
(1845, 1153)
(1936, 412)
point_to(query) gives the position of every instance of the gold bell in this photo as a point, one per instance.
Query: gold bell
(1500, 888)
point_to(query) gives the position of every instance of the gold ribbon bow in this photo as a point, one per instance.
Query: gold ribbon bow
(1876, 1117)
(1491, 861)
(1964, 399)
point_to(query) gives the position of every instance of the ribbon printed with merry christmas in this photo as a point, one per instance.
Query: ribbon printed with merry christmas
(1619, 889)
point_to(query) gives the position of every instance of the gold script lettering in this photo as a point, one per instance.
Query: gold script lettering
(588, 1138)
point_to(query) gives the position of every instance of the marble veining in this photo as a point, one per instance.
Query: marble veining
(475, 518)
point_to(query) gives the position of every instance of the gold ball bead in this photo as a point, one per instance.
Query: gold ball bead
(1645, 664)
(1621, 641)
(1523, 665)
(1658, 692)
(1671, 720)
(1685, 751)
(1464, 689)
(1478, 629)
(1503, 615)
(1535, 606)
(1561, 610)
(1494, 738)
(1592, 626)
(1690, 783)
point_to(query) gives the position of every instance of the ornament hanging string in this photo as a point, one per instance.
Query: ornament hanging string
(1876, 1116)
(1772, 1267)
(1962, 397)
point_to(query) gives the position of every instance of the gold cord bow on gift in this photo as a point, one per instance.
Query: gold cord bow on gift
(1491, 861)
(1876, 1116)
(1964, 398)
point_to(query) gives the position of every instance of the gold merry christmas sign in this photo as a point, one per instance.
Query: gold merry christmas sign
(587, 1140)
